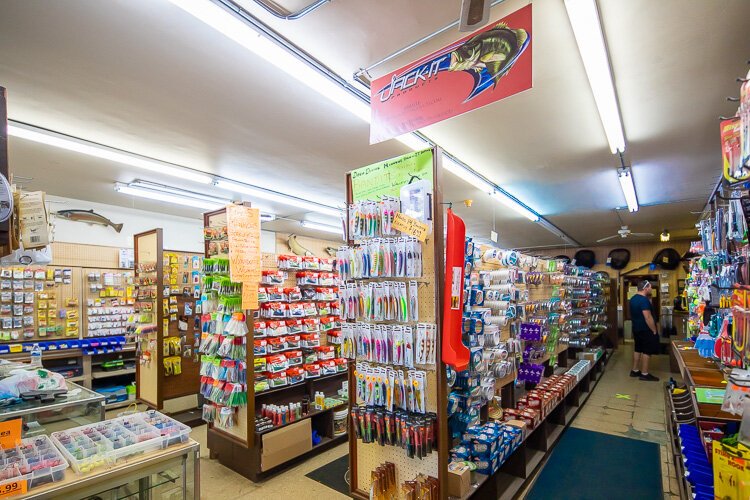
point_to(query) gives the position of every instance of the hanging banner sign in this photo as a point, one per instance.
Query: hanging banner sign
(243, 231)
(482, 68)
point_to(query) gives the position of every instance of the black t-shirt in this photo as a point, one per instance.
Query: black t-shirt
(638, 304)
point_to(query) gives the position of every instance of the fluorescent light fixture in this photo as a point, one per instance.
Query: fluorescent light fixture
(321, 227)
(234, 28)
(664, 236)
(460, 171)
(171, 195)
(413, 141)
(625, 175)
(179, 192)
(584, 18)
(511, 203)
(62, 141)
(284, 199)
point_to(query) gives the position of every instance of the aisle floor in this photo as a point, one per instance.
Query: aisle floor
(642, 416)
(628, 407)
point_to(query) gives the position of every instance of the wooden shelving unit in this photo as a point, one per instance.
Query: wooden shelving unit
(240, 448)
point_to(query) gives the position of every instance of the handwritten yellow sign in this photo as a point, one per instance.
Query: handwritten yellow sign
(15, 488)
(10, 433)
(411, 226)
(243, 231)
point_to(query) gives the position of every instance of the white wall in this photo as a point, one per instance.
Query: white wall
(180, 233)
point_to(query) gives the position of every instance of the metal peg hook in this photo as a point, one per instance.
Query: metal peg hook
(742, 80)
(733, 99)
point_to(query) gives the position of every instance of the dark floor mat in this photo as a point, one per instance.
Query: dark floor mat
(332, 475)
(588, 465)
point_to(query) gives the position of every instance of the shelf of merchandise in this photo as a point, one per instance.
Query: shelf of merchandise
(520, 467)
(240, 447)
(114, 373)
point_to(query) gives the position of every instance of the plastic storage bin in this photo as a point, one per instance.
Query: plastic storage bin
(105, 443)
(35, 460)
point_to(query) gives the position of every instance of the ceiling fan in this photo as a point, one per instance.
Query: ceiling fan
(624, 232)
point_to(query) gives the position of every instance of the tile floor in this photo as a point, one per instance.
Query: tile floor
(640, 416)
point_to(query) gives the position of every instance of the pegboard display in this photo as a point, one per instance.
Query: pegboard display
(181, 310)
(39, 303)
(369, 456)
(108, 302)
(147, 316)
(385, 271)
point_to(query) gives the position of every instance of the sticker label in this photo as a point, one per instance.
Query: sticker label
(15, 488)
(10, 433)
(410, 226)
(456, 285)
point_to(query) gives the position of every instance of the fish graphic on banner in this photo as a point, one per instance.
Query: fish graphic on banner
(468, 74)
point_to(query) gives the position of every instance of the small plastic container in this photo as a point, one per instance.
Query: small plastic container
(35, 460)
(105, 443)
(339, 422)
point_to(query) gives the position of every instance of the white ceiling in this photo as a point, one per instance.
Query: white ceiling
(144, 76)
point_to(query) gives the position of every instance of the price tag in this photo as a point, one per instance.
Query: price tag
(15, 488)
(411, 226)
(10, 433)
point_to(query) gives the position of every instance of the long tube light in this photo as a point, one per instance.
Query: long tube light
(625, 176)
(170, 195)
(285, 199)
(50, 138)
(584, 18)
(512, 203)
(455, 167)
(234, 28)
(319, 79)
(321, 227)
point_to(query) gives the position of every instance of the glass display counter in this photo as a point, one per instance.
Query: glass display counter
(172, 473)
(80, 406)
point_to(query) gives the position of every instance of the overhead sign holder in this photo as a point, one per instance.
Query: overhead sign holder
(482, 68)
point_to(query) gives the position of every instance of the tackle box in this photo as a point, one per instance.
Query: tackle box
(89, 447)
(35, 460)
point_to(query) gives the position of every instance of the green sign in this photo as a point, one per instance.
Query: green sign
(386, 178)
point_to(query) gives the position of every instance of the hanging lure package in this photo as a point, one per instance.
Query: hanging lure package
(381, 258)
(391, 388)
(370, 219)
(416, 434)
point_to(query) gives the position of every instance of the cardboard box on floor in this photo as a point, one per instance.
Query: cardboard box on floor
(459, 479)
(285, 444)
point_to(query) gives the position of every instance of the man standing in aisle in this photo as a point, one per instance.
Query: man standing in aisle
(644, 332)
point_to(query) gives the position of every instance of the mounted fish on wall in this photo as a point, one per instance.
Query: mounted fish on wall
(87, 216)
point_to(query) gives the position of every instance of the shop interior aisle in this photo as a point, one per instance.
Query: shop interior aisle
(627, 407)
(637, 413)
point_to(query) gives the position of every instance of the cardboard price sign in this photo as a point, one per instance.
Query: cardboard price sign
(411, 226)
(10, 433)
(15, 488)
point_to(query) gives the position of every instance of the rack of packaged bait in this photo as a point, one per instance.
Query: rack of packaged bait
(223, 345)
(106, 443)
(577, 305)
(299, 325)
(35, 460)
(110, 302)
(388, 310)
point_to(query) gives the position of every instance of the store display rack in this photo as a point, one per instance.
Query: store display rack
(160, 306)
(712, 423)
(257, 455)
(519, 469)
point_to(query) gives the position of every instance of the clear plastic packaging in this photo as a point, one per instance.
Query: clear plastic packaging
(35, 460)
(105, 443)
